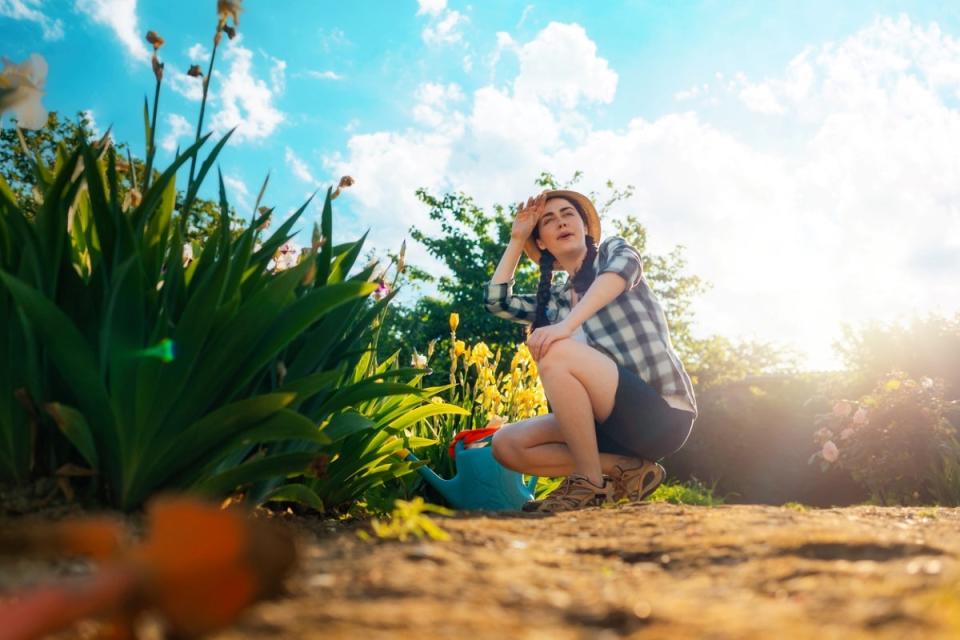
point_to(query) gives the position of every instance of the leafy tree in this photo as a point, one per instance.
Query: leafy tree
(471, 243)
(20, 148)
(922, 346)
(17, 165)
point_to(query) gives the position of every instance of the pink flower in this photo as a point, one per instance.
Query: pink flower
(823, 434)
(842, 409)
(846, 433)
(860, 417)
(830, 452)
(382, 290)
(287, 256)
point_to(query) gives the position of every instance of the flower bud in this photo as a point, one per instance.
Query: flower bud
(418, 360)
(132, 200)
(157, 67)
(345, 181)
(155, 39)
(403, 252)
(194, 71)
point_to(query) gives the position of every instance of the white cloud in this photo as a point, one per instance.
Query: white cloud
(386, 177)
(431, 7)
(566, 47)
(334, 40)
(842, 208)
(92, 122)
(238, 189)
(189, 87)
(278, 77)
(246, 102)
(523, 16)
(198, 53)
(29, 10)
(505, 42)
(760, 98)
(324, 75)
(443, 27)
(299, 167)
(692, 92)
(432, 106)
(177, 127)
(121, 16)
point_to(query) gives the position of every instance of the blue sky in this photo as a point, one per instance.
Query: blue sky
(802, 152)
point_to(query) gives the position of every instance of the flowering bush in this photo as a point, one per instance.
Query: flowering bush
(491, 395)
(497, 396)
(891, 441)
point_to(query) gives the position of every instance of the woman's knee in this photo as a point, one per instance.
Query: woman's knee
(503, 449)
(557, 358)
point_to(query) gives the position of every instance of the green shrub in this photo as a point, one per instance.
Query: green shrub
(894, 441)
(752, 440)
(148, 366)
(692, 492)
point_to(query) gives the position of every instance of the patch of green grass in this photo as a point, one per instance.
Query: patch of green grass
(693, 492)
(796, 506)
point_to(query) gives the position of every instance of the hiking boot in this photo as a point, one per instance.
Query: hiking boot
(577, 492)
(636, 482)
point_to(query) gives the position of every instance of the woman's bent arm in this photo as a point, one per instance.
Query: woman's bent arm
(499, 298)
(508, 262)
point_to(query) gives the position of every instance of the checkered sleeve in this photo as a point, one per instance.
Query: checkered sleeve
(500, 300)
(617, 256)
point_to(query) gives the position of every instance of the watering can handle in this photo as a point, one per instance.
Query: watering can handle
(532, 483)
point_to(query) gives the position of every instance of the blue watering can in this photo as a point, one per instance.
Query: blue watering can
(481, 482)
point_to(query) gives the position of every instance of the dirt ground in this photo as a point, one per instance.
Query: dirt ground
(648, 571)
(645, 571)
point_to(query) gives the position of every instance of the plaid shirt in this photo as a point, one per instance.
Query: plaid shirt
(631, 328)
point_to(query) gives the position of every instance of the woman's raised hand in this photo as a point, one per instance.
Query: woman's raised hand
(527, 216)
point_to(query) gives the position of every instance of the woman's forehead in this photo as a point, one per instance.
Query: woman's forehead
(555, 205)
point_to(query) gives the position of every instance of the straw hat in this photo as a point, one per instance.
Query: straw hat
(592, 222)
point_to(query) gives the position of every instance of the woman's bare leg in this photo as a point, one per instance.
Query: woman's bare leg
(580, 383)
(534, 446)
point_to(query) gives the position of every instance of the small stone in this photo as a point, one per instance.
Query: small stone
(321, 580)
(425, 552)
(932, 567)
(642, 609)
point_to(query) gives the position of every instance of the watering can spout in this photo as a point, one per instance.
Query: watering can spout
(438, 483)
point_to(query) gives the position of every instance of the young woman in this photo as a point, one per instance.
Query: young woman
(618, 395)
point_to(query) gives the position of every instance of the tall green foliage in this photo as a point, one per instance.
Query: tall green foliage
(20, 150)
(149, 366)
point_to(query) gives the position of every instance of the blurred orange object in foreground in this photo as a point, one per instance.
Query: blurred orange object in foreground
(198, 568)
